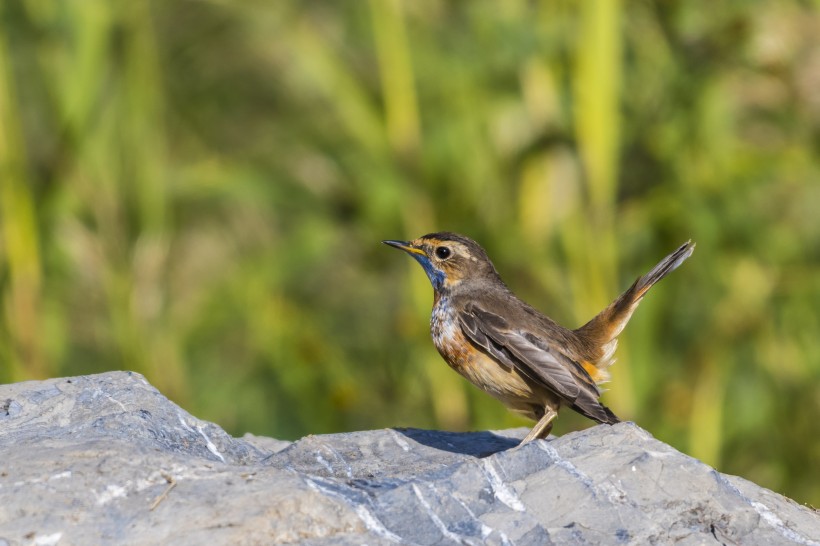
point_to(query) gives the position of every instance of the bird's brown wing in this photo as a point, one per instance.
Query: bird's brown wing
(533, 357)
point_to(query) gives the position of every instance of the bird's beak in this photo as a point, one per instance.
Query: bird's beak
(405, 246)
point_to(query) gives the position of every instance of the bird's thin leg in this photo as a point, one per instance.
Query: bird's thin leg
(542, 428)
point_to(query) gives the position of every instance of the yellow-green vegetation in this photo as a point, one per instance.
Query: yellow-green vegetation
(197, 191)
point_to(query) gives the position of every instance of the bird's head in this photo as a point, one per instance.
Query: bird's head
(448, 259)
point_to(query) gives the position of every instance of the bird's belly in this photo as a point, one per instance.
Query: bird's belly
(507, 385)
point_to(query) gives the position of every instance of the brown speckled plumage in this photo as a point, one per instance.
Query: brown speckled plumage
(510, 350)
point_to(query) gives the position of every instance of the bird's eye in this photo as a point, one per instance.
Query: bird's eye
(442, 253)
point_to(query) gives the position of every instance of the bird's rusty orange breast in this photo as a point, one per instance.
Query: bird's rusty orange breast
(448, 337)
(497, 380)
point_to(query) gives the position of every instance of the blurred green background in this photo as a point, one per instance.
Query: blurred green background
(197, 190)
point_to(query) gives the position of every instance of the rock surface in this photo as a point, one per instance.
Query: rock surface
(106, 459)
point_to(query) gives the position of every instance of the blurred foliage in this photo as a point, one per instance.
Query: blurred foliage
(197, 191)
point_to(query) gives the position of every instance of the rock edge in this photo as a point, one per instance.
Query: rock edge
(107, 459)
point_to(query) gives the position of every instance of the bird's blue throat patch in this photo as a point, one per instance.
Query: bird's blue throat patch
(436, 276)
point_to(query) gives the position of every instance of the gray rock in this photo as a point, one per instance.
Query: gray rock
(106, 459)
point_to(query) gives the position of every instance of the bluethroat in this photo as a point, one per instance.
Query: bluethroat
(511, 351)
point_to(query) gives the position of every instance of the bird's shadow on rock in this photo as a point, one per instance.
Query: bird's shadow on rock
(476, 444)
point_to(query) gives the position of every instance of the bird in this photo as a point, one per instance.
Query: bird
(510, 350)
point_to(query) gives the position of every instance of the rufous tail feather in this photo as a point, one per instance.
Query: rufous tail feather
(600, 333)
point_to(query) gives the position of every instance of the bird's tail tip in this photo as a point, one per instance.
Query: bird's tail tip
(664, 267)
(601, 331)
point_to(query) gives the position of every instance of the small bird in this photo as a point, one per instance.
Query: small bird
(511, 351)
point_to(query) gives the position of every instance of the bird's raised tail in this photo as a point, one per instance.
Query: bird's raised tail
(600, 334)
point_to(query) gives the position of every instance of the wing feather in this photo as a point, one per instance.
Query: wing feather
(533, 357)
